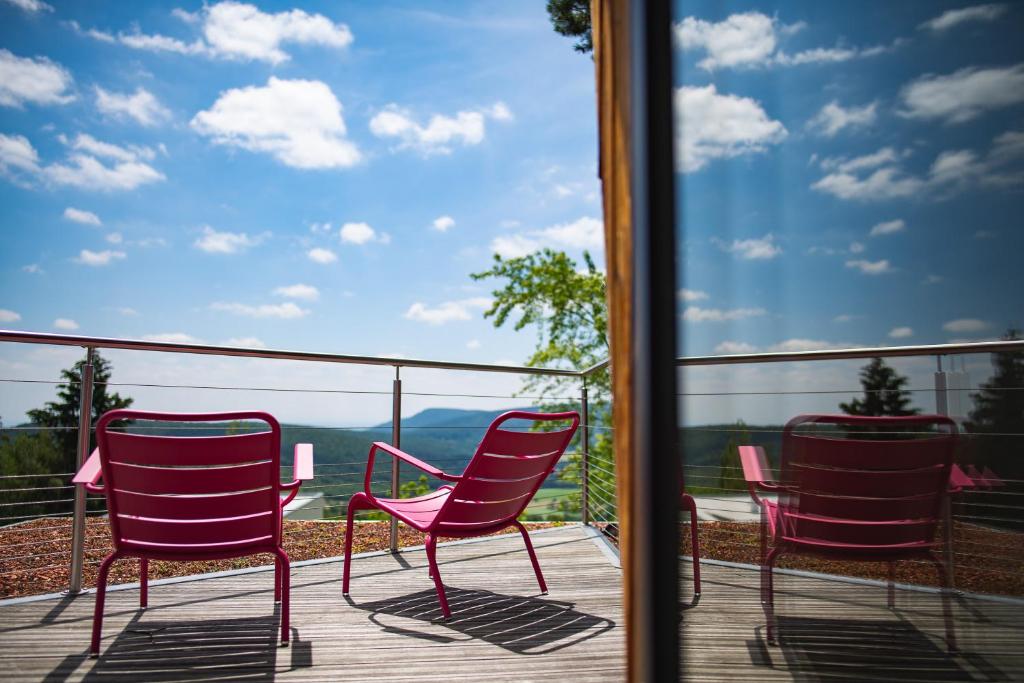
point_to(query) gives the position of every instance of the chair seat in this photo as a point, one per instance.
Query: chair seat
(417, 512)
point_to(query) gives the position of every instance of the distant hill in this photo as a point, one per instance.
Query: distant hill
(448, 418)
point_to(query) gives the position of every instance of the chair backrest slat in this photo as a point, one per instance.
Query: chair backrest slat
(193, 493)
(506, 471)
(868, 482)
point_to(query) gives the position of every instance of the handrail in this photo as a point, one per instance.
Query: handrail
(25, 337)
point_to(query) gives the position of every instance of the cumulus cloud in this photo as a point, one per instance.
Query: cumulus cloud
(17, 154)
(286, 311)
(583, 233)
(963, 95)
(901, 332)
(696, 314)
(443, 223)
(888, 227)
(172, 338)
(798, 344)
(142, 106)
(99, 258)
(83, 168)
(240, 32)
(709, 126)
(866, 267)
(955, 17)
(8, 316)
(80, 216)
(361, 233)
(246, 342)
(32, 6)
(963, 325)
(751, 40)
(65, 324)
(298, 122)
(446, 312)
(755, 249)
(833, 118)
(34, 81)
(440, 133)
(214, 242)
(299, 291)
(734, 347)
(321, 256)
(689, 295)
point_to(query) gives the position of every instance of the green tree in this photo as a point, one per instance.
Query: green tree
(566, 305)
(999, 413)
(26, 496)
(61, 416)
(572, 18)
(883, 392)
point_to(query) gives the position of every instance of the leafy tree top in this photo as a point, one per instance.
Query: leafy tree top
(572, 18)
(883, 392)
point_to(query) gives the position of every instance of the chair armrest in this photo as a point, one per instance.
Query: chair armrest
(303, 471)
(90, 473)
(756, 471)
(958, 480)
(401, 455)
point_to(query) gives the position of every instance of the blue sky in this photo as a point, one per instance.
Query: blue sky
(325, 176)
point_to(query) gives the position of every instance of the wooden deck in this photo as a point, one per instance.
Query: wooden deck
(225, 628)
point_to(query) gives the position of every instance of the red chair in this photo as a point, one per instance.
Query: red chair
(494, 489)
(686, 502)
(855, 488)
(192, 498)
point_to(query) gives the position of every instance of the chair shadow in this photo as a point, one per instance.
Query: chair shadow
(818, 649)
(522, 625)
(147, 649)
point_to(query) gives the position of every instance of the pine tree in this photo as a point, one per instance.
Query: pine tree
(883, 392)
(999, 413)
(62, 415)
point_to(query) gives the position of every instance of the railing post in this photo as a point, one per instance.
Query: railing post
(84, 432)
(585, 457)
(396, 441)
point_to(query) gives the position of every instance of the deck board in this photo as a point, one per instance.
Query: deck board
(226, 628)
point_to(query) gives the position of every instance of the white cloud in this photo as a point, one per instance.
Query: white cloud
(213, 242)
(99, 258)
(298, 122)
(30, 5)
(65, 324)
(711, 126)
(884, 183)
(844, 318)
(245, 342)
(964, 94)
(83, 169)
(883, 157)
(901, 332)
(833, 118)
(82, 216)
(797, 345)
(322, 256)
(955, 17)
(888, 227)
(125, 310)
(7, 316)
(962, 325)
(761, 249)
(857, 248)
(142, 106)
(172, 338)
(440, 133)
(751, 39)
(689, 295)
(361, 233)
(583, 233)
(35, 81)
(734, 347)
(115, 238)
(879, 267)
(299, 291)
(286, 311)
(444, 223)
(696, 314)
(16, 152)
(447, 311)
(33, 268)
(473, 344)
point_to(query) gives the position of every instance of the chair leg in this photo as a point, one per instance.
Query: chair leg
(355, 503)
(892, 585)
(768, 596)
(101, 594)
(947, 611)
(689, 503)
(285, 573)
(533, 558)
(143, 582)
(436, 575)
(277, 580)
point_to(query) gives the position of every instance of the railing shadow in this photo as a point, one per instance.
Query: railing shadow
(245, 649)
(857, 649)
(522, 625)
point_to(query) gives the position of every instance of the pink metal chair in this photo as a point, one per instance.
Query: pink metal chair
(192, 498)
(686, 502)
(494, 489)
(855, 488)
